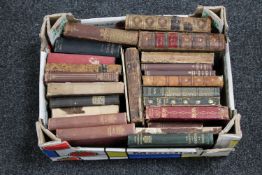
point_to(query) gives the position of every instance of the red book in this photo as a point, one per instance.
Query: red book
(186, 113)
(79, 59)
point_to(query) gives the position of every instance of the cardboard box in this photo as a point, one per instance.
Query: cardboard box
(58, 150)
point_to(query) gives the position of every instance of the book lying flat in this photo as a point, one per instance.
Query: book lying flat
(176, 67)
(181, 73)
(188, 129)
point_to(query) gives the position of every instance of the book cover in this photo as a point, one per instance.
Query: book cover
(180, 73)
(84, 31)
(174, 124)
(167, 23)
(133, 75)
(176, 67)
(167, 41)
(188, 129)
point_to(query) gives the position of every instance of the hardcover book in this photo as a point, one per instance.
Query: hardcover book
(177, 66)
(181, 73)
(83, 31)
(174, 124)
(168, 23)
(167, 41)
(133, 75)
(166, 130)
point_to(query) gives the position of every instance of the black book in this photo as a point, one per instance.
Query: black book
(78, 101)
(78, 46)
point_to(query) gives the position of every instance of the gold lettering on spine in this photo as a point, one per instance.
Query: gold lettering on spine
(98, 100)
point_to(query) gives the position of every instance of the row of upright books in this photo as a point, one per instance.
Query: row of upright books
(162, 92)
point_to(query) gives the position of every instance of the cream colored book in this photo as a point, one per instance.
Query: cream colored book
(82, 111)
(63, 89)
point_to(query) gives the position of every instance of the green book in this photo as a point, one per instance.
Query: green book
(171, 140)
(170, 101)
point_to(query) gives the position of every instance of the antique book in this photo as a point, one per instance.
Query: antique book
(83, 31)
(78, 46)
(72, 89)
(181, 72)
(171, 140)
(80, 77)
(85, 68)
(85, 110)
(174, 124)
(168, 23)
(168, 41)
(77, 101)
(186, 113)
(189, 129)
(87, 121)
(177, 66)
(133, 75)
(181, 91)
(79, 59)
(98, 136)
(209, 81)
(171, 101)
(177, 57)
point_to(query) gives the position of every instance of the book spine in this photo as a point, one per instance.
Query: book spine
(188, 129)
(177, 57)
(174, 124)
(171, 140)
(181, 73)
(79, 59)
(83, 68)
(191, 113)
(181, 92)
(133, 74)
(168, 23)
(111, 135)
(87, 121)
(80, 77)
(181, 67)
(181, 41)
(77, 101)
(83, 31)
(211, 81)
(171, 101)
(85, 110)
(78, 46)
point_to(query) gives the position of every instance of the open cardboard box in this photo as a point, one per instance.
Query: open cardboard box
(58, 150)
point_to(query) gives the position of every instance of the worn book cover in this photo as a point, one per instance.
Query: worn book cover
(177, 67)
(188, 129)
(180, 73)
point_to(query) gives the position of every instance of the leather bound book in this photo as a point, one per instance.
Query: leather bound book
(186, 113)
(83, 31)
(133, 75)
(97, 136)
(177, 57)
(72, 89)
(189, 129)
(171, 140)
(168, 23)
(174, 124)
(78, 101)
(181, 92)
(181, 73)
(172, 101)
(168, 41)
(80, 77)
(176, 67)
(78, 46)
(211, 81)
(87, 121)
(85, 110)
(79, 59)
(85, 68)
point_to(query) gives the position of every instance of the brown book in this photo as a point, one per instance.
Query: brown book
(83, 31)
(168, 41)
(87, 121)
(181, 73)
(80, 77)
(166, 130)
(86, 110)
(57, 67)
(177, 57)
(173, 124)
(177, 66)
(168, 23)
(133, 75)
(97, 136)
(210, 81)
(96, 88)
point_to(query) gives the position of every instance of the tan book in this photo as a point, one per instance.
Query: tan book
(177, 57)
(86, 110)
(97, 88)
(166, 130)
(85, 68)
